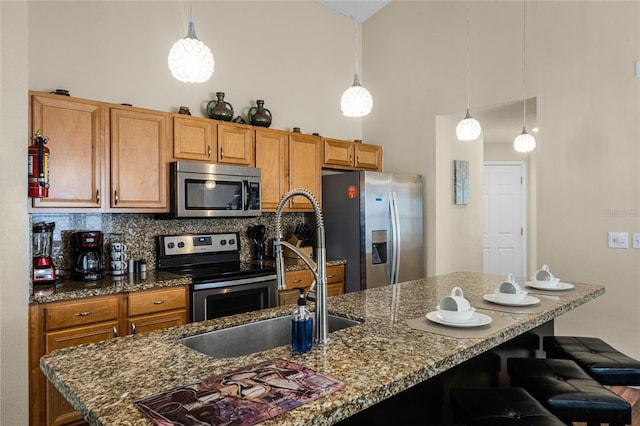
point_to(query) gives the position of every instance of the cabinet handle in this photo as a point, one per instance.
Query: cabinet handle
(115, 331)
(158, 302)
(83, 314)
(133, 328)
(350, 158)
(97, 196)
(221, 153)
(296, 281)
(115, 197)
(331, 276)
(209, 151)
(357, 160)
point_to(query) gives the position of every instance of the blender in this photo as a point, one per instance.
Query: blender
(43, 269)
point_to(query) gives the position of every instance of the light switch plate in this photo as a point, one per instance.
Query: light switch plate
(618, 240)
(636, 240)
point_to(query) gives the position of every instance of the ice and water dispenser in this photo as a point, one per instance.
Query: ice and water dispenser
(379, 247)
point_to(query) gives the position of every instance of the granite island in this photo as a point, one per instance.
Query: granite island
(376, 360)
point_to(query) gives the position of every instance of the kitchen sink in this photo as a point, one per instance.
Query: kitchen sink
(253, 337)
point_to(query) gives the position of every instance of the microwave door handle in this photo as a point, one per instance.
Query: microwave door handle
(245, 195)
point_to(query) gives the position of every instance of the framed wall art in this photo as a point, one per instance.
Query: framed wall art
(461, 181)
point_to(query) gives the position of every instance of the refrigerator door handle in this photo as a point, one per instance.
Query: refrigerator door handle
(395, 239)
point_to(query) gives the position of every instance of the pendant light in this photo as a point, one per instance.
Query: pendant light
(524, 142)
(468, 129)
(356, 101)
(190, 60)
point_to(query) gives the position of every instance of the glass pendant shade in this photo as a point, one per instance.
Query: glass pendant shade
(468, 129)
(524, 142)
(190, 60)
(356, 101)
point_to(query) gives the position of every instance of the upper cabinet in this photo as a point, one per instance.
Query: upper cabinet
(272, 152)
(119, 166)
(305, 169)
(235, 144)
(139, 170)
(346, 155)
(194, 138)
(75, 131)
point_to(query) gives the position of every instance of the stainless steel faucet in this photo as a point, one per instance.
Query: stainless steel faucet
(319, 268)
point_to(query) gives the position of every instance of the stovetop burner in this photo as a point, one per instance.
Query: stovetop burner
(226, 271)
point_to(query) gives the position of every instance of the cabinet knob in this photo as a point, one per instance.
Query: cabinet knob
(83, 314)
(97, 196)
(221, 153)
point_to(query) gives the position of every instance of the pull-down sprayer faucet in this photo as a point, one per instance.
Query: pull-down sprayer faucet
(319, 268)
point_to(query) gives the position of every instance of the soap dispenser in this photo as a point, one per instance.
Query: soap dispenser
(301, 326)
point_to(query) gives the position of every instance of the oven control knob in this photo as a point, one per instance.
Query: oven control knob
(180, 244)
(232, 241)
(223, 242)
(171, 245)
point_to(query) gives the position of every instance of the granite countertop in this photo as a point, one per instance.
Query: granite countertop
(67, 289)
(376, 359)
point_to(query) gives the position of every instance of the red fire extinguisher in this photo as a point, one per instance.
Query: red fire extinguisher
(38, 167)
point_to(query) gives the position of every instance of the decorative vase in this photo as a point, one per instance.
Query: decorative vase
(260, 116)
(184, 110)
(219, 109)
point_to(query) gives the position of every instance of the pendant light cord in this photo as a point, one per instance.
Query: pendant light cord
(468, 63)
(524, 63)
(357, 35)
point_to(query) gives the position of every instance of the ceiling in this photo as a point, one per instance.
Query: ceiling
(366, 8)
(500, 123)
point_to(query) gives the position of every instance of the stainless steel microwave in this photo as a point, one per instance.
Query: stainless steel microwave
(214, 190)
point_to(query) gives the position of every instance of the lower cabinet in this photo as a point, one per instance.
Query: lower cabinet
(59, 325)
(304, 278)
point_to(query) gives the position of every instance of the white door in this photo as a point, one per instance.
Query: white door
(504, 197)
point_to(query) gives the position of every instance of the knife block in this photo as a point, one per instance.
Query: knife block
(291, 257)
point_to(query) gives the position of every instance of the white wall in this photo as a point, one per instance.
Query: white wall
(13, 222)
(297, 56)
(580, 58)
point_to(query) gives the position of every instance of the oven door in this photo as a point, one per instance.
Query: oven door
(220, 299)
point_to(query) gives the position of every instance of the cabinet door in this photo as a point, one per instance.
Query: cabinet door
(271, 158)
(337, 153)
(139, 167)
(305, 169)
(59, 411)
(147, 323)
(235, 144)
(76, 144)
(368, 157)
(194, 138)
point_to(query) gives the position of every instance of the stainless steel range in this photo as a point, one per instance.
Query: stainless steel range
(221, 284)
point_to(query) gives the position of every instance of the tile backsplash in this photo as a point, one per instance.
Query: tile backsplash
(138, 232)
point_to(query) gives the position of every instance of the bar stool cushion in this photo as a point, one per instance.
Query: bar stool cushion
(568, 391)
(603, 362)
(500, 407)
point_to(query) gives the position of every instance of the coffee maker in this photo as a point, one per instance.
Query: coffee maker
(44, 272)
(87, 255)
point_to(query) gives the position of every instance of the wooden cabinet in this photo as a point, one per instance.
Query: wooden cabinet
(304, 278)
(235, 144)
(305, 169)
(139, 169)
(339, 154)
(59, 325)
(62, 324)
(156, 309)
(272, 158)
(75, 131)
(194, 138)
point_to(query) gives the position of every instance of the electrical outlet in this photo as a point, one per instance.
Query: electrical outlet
(636, 240)
(618, 240)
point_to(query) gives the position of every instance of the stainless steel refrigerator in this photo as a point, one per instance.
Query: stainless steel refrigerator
(374, 220)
